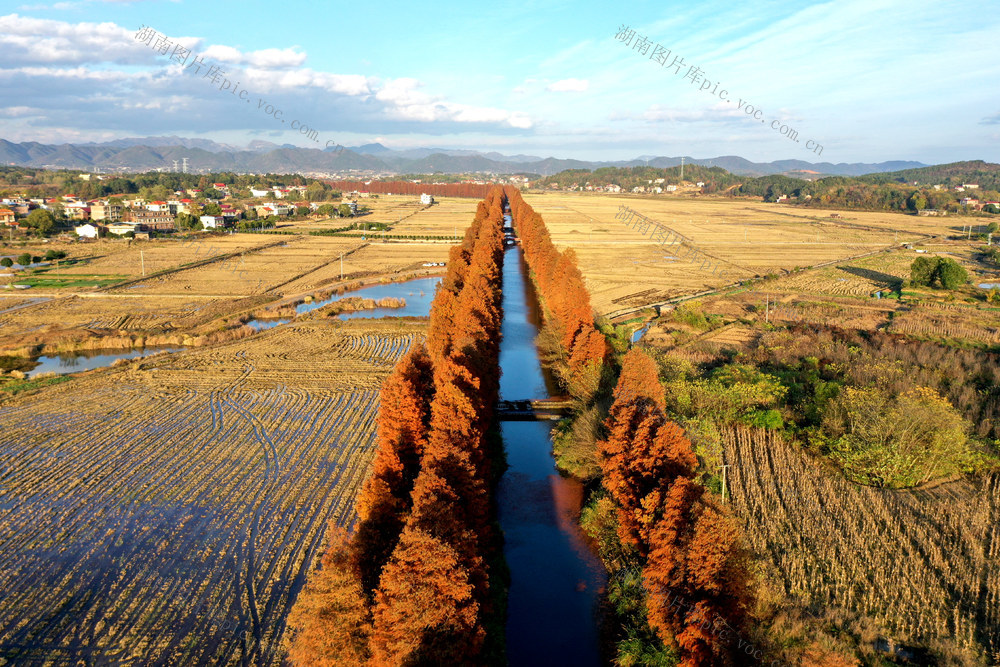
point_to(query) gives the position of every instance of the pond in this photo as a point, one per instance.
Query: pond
(89, 360)
(418, 295)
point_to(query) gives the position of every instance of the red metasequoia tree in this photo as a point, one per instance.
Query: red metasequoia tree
(404, 420)
(330, 619)
(416, 566)
(697, 578)
(694, 564)
(425, 611)
(563, 292)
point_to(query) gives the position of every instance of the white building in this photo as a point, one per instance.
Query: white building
(426, 199)
(87, 231)
(212, 221)
(259, 193)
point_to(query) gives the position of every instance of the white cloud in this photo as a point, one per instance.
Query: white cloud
(569, 86)
(62, 70)
(265, 58)
(25, 40)
(406, 102)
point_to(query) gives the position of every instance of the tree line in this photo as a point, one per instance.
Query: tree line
(656, 517)
(694, 565)
(473, 190)
(564, 299)
(150, 185)
(420, 581)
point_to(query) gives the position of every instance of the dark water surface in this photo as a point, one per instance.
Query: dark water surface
(555, 578)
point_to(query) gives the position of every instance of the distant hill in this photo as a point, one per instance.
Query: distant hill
(138, 154)
(984, 174)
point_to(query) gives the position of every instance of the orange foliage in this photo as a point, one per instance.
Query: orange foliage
(639, 379)
(404, 417)
(330, 620)
(419, 556)
(563, 292)
(694, 560)
(425, 611)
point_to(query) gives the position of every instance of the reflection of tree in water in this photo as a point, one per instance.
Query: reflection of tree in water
(74, 359)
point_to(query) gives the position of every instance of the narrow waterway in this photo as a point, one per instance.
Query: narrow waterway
(555, 578)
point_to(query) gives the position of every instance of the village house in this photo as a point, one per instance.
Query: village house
(106, 211)
(6, 216)
(426, 199)
(77, 211)
(254, 192)
(155, 220)
(272, 208)
(212, 221)
(119, 228)
(87, 231)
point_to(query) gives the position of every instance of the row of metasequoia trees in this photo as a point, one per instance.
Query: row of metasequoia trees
(412, 584)
(694, 564)
(408, 188)
(564, 296)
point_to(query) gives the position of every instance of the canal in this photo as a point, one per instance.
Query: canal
(555, 578)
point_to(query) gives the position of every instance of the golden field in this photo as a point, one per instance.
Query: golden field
(625, 269)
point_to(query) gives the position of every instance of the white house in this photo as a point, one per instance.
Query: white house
(259, 193)
(212, 221)
(87, 231)
(426, 199)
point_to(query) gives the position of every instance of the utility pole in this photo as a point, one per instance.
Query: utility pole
(682, 170)
(142, 260)
(185, 164)
(724, 467)
(767, 309)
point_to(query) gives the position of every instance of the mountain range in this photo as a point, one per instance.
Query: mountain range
(204, 155)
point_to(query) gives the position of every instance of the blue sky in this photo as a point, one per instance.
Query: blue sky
(868, 80)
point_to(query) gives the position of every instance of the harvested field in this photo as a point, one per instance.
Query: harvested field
(396, 259)
(939, 321)
(72, 318)
(925, 564)
(167, 511)
(747, 239)
(448, 216)
(253, 273)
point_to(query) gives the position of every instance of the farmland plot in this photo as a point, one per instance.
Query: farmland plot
(925, 564)
(624, 268)
(167, 513)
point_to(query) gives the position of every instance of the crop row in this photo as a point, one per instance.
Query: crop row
(925, 565)
(174, 524)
